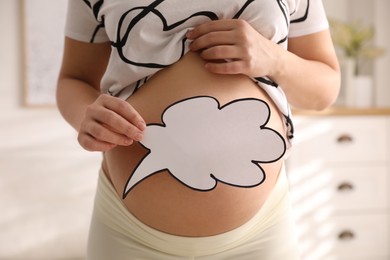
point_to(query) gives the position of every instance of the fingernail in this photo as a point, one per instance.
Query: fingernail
(138, 137)
(189, 34)
(141, 126)
(128, 141)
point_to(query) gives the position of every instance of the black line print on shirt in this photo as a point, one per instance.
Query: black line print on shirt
(304, 16)
(95, 9)
(144, 11)
(201, 143)
(283, 8)
(122, 38)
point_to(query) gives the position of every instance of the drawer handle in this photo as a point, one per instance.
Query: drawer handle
(346, 235)
(344, 138)
(345, 186)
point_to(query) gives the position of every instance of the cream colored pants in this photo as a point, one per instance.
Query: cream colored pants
(115, 234)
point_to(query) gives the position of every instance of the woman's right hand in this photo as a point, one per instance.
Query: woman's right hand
(109, 122)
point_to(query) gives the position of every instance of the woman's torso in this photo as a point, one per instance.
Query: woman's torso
(161, 200)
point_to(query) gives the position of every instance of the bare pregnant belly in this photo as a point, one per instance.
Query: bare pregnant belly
(165, 198)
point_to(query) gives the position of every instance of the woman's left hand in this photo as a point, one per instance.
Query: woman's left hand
(235, 47)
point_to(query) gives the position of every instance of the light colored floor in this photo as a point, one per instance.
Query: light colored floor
(47, 185)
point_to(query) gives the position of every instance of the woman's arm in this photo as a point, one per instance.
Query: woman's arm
(308, 72)
(102, 121)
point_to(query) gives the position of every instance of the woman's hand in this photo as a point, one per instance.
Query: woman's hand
(234, 47)
(109, 122)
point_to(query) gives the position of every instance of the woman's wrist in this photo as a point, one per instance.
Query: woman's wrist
(279, 60)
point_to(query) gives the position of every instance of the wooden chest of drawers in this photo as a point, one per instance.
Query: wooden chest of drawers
(339, 176)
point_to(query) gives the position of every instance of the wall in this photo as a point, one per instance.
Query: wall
(47, 182)
(10, 61)
(369, 13)
(381, 15)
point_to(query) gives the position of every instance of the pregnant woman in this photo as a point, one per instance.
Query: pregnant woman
(189, 103)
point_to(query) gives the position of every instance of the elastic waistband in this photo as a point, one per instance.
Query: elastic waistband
(110, 209)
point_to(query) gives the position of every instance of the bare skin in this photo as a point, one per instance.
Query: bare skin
(308, 73)
(161, 201)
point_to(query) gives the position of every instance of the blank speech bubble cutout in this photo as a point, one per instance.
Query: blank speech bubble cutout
(201, 143)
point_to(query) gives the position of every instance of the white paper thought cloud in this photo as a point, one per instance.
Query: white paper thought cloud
(202, 143)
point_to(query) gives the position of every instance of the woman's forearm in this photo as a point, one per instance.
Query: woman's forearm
(309, 71)
(78, 83)
(308, 84)
(73, 97)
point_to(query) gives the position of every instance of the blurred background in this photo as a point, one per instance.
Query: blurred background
(338, 171)
(340, 164)
(47, 182)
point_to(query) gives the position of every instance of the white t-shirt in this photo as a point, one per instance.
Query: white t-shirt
(148, 35)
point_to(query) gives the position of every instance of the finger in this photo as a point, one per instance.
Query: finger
(233, 67)
(118, 124)
(89, 143)
(224, 52)
(125, 110)
(130, 132)
(212, 39)
(103, 133)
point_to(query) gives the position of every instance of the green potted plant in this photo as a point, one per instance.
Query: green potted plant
(354, 43)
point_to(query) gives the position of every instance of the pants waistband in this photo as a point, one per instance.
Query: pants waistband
(111, 211)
